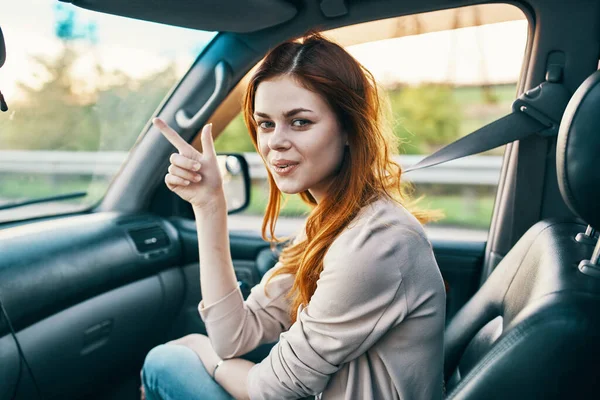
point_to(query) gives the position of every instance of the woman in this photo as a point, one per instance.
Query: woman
(356, 302)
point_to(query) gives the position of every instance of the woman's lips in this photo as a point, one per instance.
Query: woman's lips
(283, 171)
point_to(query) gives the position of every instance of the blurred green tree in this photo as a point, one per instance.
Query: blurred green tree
(426, 117)
(235, 138)
(58, 115)
(51, 117)
(124, 108)
(54, 116)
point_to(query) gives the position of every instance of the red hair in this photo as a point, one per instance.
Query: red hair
(367, 172)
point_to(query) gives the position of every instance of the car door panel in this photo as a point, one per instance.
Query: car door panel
(460, 263)
(251, 258)
(250, 253)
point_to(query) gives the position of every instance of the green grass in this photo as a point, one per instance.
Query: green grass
(24, 186)
(294, 206)
(474, 213)
(474, 94)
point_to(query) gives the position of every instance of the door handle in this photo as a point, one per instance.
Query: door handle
(222, 83)
(96, 336)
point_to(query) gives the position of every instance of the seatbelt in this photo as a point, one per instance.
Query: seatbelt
(539, 110)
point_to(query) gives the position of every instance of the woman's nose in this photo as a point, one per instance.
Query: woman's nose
(278, 139)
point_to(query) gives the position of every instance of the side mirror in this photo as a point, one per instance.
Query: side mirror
(236, 181)
(3, 106)
(2, 49)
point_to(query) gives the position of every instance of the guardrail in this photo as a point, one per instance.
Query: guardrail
(474, 170)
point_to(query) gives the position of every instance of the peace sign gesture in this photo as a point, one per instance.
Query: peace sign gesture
(193, 176)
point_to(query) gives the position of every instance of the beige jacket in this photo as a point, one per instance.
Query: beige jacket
(373, 328)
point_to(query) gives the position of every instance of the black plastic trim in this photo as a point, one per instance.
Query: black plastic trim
(48, 266)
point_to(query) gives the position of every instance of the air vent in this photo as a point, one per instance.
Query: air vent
(149, 238)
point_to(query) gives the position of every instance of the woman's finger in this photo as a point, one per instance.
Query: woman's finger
(208, 145)
(184, 162)
(184, 173)
(180, 144)
(175, 181)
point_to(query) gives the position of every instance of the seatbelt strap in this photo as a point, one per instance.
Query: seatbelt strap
(538, 110)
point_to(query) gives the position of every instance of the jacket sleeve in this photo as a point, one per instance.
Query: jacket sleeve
(236, 327)
(359, 297)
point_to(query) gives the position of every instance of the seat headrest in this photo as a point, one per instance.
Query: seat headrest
(578, 151)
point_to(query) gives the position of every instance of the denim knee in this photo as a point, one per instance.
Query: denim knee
(159, 361)
(167, 362)
(176, 372)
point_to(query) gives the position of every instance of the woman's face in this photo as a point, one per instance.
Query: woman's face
(299, 136)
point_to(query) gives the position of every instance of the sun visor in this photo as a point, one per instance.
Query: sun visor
(210, 15)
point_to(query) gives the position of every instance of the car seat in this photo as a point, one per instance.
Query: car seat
(532, 331)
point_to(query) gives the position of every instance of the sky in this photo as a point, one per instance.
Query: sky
(476, 55)
(488, 54)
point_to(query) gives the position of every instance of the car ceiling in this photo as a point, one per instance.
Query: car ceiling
(245, 16)
(211, 15)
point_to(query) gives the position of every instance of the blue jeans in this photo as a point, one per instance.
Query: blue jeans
(174, 372)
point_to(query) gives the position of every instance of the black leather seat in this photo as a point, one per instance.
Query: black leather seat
(533, 329)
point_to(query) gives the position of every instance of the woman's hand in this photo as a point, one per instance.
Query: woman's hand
(193, 176)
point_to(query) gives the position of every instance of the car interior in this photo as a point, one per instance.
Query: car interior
(86, 294)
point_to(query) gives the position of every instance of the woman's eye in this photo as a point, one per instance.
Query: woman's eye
(265, 125)
(300, 122)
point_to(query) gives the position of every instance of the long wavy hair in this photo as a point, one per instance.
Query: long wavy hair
(367, 172)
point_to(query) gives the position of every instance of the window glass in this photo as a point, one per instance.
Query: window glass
(80, 87)
(445, 73)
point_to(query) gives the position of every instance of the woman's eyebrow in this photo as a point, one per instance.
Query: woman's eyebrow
(286, 114)
(295, 111)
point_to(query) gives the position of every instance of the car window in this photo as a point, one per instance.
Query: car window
(446, 73)
(80, 87)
